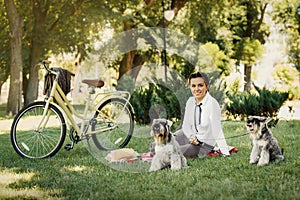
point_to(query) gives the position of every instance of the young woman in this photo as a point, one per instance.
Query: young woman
(201, 128)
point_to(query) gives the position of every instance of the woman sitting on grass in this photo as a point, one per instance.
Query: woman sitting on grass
(201, 128)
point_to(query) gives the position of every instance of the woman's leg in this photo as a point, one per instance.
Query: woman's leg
(189, 150)
(181, 138)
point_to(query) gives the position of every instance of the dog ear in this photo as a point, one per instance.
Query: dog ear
(263, 119)
(268, 120)
(151, 131)
(169, 123)
(251, 118)
(154, 121)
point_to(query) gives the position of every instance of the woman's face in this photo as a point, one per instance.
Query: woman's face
(198, 88)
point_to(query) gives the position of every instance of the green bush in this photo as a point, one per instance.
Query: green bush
(141, 100)
(155, 101)
(261, 102)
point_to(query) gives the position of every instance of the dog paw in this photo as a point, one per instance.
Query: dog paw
(175, 168)
(253, 162)
(279, 158)
(152, 170)
(261, 163)
(254, 159)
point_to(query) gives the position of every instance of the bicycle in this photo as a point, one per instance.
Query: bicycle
(39, 129)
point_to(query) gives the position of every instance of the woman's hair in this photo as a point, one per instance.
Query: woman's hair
(200, 75)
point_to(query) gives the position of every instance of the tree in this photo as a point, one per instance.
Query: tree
(220, 60)
(4, 48)
(236, 27)
(57, 26)
(130, 15)
(285, 14)
(249, 33)
(203, 22)
(248, 51)
(53, 26)
(16, 31)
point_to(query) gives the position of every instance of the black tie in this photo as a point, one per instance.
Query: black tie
(200, 111)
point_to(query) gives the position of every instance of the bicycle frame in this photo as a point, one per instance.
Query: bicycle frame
(68, 111)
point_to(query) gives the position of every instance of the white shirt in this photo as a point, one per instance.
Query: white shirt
(210, 130)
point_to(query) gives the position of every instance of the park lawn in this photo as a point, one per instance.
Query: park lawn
(3, 112)
(76, 174)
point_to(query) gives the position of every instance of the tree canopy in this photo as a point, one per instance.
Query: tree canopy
(231, 32)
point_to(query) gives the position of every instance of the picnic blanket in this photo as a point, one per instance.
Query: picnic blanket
(217, 152)
(130, 155)
(122, 155)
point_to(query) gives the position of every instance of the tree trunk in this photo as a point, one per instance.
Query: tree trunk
(31, 92)
(36, 51)
(1, 83)
(16, 65)
(247, 77)
(132, 60)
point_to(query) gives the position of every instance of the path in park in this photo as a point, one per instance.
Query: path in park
(5, 125)
(284, 114)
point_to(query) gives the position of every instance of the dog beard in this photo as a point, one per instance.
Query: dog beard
(256, 125)
(160, 131)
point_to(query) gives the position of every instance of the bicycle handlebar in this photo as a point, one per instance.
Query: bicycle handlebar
(45, 63)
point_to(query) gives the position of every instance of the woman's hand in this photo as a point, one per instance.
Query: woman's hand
(193, 140)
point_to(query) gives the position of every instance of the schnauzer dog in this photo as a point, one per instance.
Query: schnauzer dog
(167, 149)
(265, 146)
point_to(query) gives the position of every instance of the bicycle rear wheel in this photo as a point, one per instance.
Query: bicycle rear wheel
(32, 142)
(113, 124)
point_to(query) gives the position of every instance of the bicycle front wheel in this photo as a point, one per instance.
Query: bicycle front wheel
(38, 134)
(113, 126)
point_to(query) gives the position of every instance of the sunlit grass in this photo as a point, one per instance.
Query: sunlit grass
(75, 168)
(76, 174)
(11, 181)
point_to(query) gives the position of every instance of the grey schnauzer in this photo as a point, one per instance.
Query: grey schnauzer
(167, 149)
(265, 146)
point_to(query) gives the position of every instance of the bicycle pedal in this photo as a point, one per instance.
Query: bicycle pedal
(68, 147)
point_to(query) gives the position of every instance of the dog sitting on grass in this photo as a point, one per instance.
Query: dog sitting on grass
(265, 146)
(167, 149)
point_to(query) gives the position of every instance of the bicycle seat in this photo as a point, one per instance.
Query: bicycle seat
(94, 82)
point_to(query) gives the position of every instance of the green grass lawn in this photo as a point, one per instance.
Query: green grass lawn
(76, 174)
